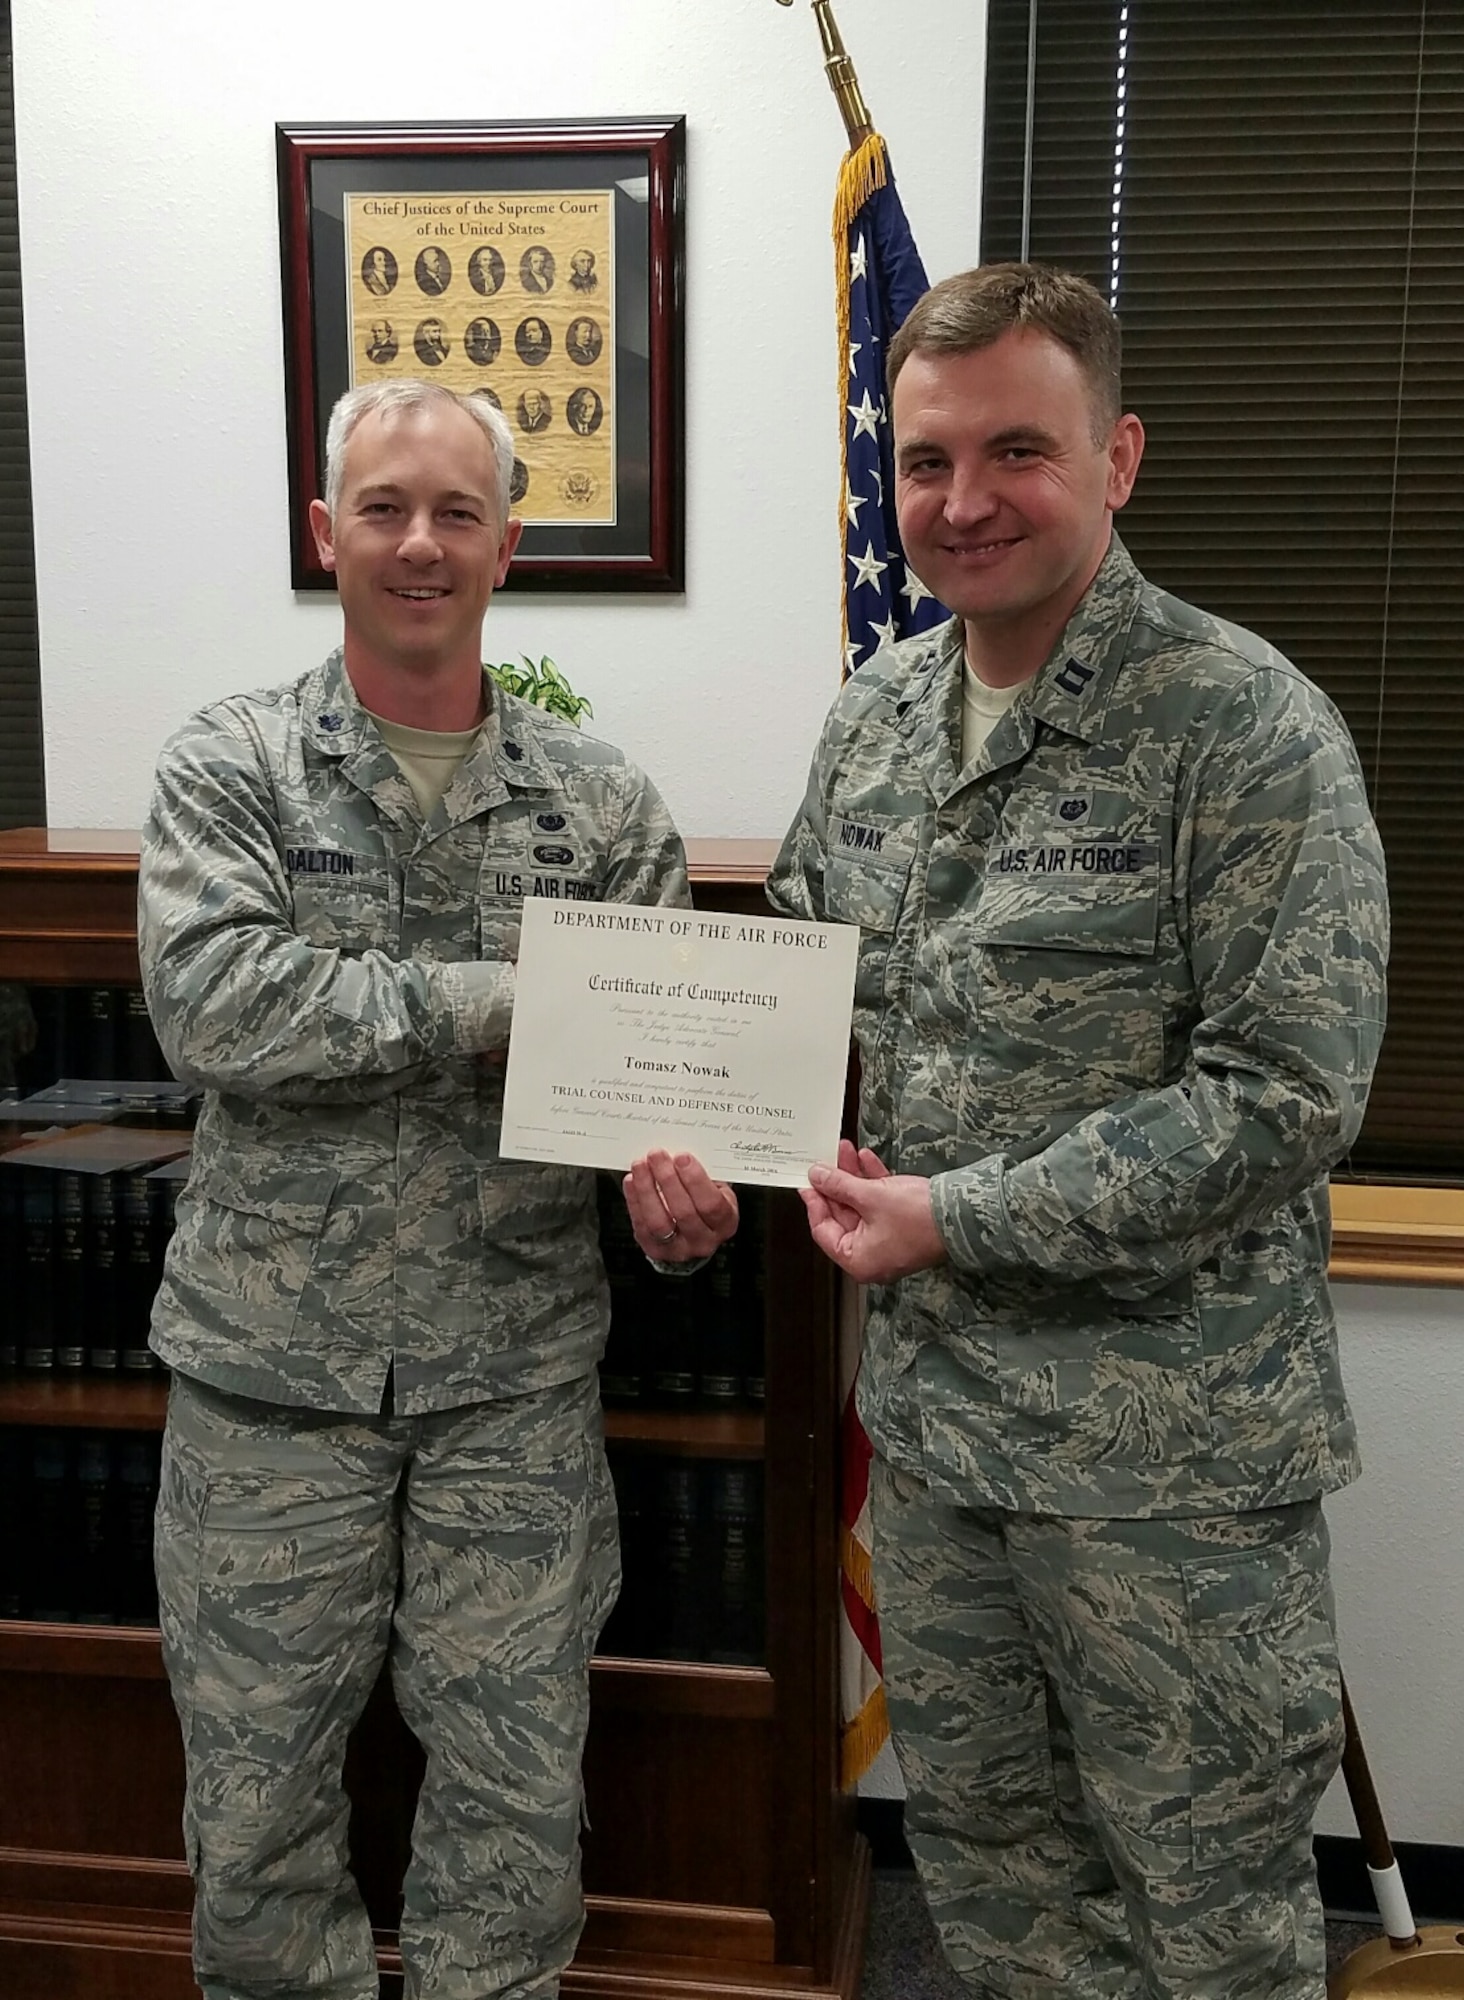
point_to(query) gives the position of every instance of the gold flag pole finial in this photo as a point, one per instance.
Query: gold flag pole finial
(841, 75)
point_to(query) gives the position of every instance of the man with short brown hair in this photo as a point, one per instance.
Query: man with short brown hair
(1119, 996)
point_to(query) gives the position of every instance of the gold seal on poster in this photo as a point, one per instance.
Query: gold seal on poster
(508, 296)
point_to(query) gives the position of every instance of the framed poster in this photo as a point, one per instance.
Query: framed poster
(541, 266)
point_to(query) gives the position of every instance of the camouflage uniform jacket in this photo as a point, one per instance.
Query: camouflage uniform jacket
(1120, 992)
(328, 967)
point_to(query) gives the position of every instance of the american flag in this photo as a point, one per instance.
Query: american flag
(879, 277)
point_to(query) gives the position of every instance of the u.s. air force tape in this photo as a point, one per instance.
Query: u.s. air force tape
(1084, 857)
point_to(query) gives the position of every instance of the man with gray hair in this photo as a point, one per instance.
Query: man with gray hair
(383, 1444)
(1120, 992)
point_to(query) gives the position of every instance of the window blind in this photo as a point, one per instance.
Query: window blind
(1273, 198)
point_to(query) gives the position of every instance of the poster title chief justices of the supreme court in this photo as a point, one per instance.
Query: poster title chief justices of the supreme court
(383, 1437)
(1098, 1108)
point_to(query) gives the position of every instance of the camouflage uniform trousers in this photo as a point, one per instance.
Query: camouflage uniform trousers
(475, 1550)
(1114, 1735)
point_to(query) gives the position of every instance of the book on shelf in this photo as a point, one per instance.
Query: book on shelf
(87, 1032)
(736, 1597)
(103, 1290)
(85, 1218)
(630, 1630)
(679, 1571)
(719, 1383)
(68, 1250)
(12, 1252)
(76, 1515)
(749, 1293)
(37, 1268)
(693, 1560)
(683, 1342)
(628, 1276)
(144, 1219)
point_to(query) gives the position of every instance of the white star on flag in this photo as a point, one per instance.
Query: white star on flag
(912, 589)
(854, 348)
(869, 567)
(857, 261)
(887, 634)
(865, 416)
(852, 503)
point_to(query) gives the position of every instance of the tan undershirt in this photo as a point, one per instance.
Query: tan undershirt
(429, 758)
(982, 707)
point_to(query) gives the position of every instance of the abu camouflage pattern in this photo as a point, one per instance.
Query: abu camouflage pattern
(1119, 996)
(330, 969)
(472, 1550)
(1119, 1800)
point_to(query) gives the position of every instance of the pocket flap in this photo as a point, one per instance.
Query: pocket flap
(1113, 913)
(867, 893)
(1253, 1590)
(297, 1200)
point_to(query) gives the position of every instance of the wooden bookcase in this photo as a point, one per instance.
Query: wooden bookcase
(720, 1859)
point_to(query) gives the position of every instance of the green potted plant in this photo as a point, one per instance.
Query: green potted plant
(544, 686)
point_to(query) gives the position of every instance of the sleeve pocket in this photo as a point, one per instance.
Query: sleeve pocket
(1266, 1712)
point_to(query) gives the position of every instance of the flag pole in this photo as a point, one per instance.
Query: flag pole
(840, 72)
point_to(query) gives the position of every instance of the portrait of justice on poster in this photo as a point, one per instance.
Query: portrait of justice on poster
(505, 295)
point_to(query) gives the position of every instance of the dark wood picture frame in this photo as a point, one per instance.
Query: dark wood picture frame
(643, 161)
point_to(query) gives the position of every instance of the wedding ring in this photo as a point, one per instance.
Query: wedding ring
(674, 1230)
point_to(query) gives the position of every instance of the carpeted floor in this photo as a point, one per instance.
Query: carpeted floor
(902, 1955)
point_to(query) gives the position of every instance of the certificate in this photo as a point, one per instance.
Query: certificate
(637, 1027)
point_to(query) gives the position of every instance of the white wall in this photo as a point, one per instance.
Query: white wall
(1398, 1543)
(151, 271)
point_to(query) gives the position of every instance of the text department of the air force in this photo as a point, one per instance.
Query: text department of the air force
(801, 937)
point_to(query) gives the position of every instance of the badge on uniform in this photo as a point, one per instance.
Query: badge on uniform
(1075, 807)
(1073, 678)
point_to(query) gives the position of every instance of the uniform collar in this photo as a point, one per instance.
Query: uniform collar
(508, 756)
(928, 709)
(1069, 692)
(334, 725)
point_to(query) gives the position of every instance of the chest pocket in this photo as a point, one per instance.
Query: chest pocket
(1078, 896)
(343, 901)
(1068, 996)
(868, 893)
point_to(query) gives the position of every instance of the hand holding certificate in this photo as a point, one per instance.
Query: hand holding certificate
(637, 1028)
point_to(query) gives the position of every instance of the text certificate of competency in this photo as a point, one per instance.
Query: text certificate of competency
(639, 1027)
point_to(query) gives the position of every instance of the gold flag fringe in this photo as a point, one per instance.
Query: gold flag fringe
(861, 1740)
(854, 1562)
(862, 171)
(864, 168)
